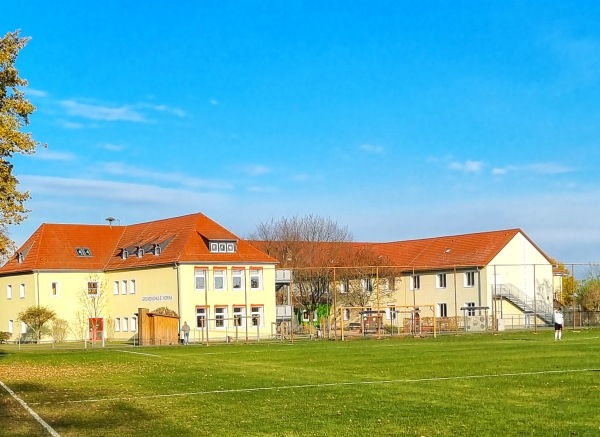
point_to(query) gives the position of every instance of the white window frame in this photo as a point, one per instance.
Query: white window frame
(441, 280)
(11, 326)
(89, 288)
(442, 309)
(125, 324)
(415, 282)
(346, 313)
(220, 317)
(469, 279)
(117, 288)
(390, 312)
(344, 286)
(118, 324)
(367, 285)
(9, 291)
(256, 279)
(239, 316)
(22, 291)
(470, 312)
(200, 274)
(257, 310)
(204, 313)
(133, 324)
(24, 328)
(220, 274)
(124, 286)
(239, 275)
(54, 289)
(132, 286)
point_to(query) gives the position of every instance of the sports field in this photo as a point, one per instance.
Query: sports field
(512, 384)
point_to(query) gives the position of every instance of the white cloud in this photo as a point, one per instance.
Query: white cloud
(257, 189)
(113, 147)
(101, 113)
(369, 148)
(549, 168)
(35, 93)
(50, 155)
(256, 170)
(113, 192)
(164, 108)
(71, 124)
(467, 166)
(120, 169)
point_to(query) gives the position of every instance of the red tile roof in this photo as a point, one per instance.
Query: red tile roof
(183, 239)
(467, 250)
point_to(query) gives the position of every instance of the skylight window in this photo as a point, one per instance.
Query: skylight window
(83, 251)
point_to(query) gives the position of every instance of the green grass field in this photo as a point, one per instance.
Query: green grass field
(476, 385)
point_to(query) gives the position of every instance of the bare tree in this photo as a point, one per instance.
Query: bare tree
(93, 301)
(309, 245)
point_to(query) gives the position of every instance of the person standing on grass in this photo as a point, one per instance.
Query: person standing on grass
(559, 320)
(186, 333)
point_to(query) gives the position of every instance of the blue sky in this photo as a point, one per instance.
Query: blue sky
(398, 119)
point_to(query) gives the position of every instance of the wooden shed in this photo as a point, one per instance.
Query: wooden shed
(159, 327)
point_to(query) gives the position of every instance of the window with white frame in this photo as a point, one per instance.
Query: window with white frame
(256, 279)
(24, 328)
(239, 316)
(367, 285)
(133, 324)
(92, 288)
(440, 280)
(132, 286)
(469, 279)
(220, 279)
(220, 317)
(470, 312)
(22, 291)
(11, 326)
(442, 310)
(390, 312)
(116, 287)
(125, 324)
(9, 291)
(346, 313)
(415, 282)
(256, 313)
(54, 289)
(200, 279)
(201, 317)
(124, 287)
(237, 279)
(118, 324)
(344, 286)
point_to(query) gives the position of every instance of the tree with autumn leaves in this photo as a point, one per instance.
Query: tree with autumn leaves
(15, 110)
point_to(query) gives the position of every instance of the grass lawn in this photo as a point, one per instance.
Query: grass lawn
(512, 384)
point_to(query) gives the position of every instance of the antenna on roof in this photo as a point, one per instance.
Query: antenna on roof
(110, 220)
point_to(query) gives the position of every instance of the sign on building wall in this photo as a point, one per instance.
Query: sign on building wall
(158, 298)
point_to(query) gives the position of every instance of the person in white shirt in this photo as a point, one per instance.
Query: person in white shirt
(558, 324)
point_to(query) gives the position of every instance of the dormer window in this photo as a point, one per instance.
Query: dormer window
(20, 257)
(124, 254)
(157, 249)
(83, 251)
(223, 246)
(140, 252)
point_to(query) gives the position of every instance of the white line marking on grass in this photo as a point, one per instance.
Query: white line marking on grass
(329, 384)
(138, 353)
(30, 411)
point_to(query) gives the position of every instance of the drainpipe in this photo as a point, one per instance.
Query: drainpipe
(479, 288)
(178, 294)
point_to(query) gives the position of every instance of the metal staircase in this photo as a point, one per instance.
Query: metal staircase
(522, 301)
